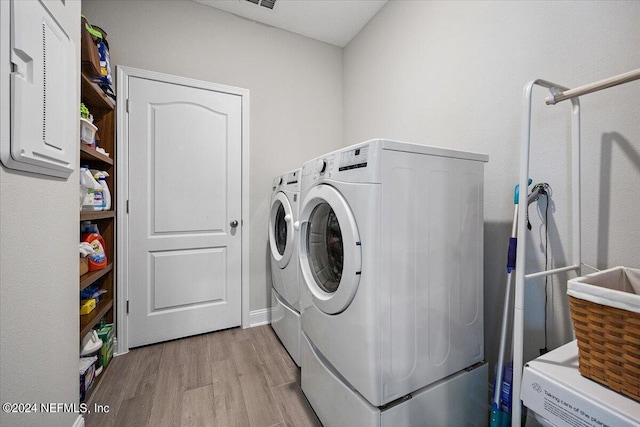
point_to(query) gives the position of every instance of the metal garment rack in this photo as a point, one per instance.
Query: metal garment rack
(558, 93)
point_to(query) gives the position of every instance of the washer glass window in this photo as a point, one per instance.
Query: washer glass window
(325, 249)
(280, 225)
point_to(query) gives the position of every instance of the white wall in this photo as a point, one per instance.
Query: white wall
(295, 88)
(39, 234)
(451, 74)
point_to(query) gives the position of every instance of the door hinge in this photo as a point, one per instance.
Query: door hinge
(127, 206)
(127, 306)
(127, 105)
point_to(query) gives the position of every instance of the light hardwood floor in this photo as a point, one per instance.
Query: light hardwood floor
(236, 377)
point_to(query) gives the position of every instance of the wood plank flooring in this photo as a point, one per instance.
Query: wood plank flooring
(236, 377)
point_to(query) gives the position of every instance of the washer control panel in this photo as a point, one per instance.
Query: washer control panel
(353, 159)
(331, 164)
(321, 165)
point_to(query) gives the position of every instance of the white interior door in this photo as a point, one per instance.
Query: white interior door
(184, 240)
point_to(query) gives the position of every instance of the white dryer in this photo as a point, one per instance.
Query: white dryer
(283, 244)
(391, 254)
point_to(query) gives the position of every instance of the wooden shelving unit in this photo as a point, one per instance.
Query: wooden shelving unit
(103, 110)
(92, 276)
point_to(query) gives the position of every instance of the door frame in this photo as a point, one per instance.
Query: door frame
(122, 219)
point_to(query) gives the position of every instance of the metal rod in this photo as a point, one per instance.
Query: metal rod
(593, 87)
(518, 304)
(552, 272)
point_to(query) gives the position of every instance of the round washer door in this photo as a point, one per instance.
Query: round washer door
(330, 256)
(281, 230)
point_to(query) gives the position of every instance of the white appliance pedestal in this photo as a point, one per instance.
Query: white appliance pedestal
(285, 322)
(458, 400)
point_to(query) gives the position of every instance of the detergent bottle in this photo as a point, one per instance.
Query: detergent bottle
(91, 235)
(88, 187)
(106, 193)
(98, 194)
(87, 227)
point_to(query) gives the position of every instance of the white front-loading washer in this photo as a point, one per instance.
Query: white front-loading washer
(391, 253)
(283, 244)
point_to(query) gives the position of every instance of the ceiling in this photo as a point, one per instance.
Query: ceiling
(331, 21)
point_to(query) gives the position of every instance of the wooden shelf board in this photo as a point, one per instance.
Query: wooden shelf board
(89, 215)
(93, 95)
(88, 154)
(90, 277)
(88, 321)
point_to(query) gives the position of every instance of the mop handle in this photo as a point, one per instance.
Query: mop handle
(513, 241)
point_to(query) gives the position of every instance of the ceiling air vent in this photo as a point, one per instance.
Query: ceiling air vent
(265, 3)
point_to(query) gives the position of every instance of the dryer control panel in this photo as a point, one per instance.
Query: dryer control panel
(293, 177)
(288, 181)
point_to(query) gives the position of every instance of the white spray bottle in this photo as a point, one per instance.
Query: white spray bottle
(103, 194)
(88, 187)
(106, 193)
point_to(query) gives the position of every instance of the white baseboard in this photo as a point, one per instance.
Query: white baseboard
(260, 317)
(79, 422)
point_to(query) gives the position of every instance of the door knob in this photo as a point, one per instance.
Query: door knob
(234, 223)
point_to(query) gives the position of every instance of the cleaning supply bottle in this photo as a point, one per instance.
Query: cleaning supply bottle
(91, 346)
(87, 227)
(98, 195)
(88, 187)
(106, 193)
(98, 259)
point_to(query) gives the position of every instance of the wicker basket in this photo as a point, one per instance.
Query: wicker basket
(605, 308)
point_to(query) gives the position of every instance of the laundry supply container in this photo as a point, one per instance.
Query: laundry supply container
(87, 375)
(106, 334)
(88, 132)
(605, 308)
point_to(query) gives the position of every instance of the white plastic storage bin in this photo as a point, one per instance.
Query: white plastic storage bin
(87, 132)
